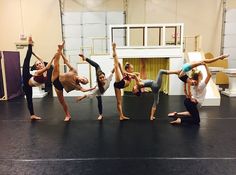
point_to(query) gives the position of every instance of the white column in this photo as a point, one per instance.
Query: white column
(214, 71)
(231, 73)
(175, 85)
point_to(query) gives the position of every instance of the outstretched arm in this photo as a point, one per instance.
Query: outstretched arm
(109, 78)
(208, 74)
(137, 74)
(81, 98)
(41, 71)
(138, 80)
(87, 89)
(36, 56)
(50, 63)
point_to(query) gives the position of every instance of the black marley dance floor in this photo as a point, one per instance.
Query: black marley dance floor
(139, 146)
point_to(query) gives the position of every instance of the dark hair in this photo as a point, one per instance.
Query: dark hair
(195, 76)
(100, 86)
(34, 66)
(77, 81)
(127, 65)
(138, 93)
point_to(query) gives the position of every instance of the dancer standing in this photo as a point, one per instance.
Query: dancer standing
(103, 84)
(68, 81)
(122, 80)
(29, 80)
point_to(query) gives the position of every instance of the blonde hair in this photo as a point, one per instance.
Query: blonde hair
(195, 74)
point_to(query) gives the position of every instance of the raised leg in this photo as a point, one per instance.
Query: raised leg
(118, 74)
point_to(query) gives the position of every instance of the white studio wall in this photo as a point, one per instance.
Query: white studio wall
(230, 37)
(88, 33)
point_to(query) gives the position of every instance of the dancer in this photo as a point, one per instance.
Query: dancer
(69, 81)
(122, 80)
(189, 66)
(193, 101)
(103, 84)
(29, 80)
(154, 85)
(182, 74)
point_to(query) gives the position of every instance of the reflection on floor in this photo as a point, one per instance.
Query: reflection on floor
(138, 146)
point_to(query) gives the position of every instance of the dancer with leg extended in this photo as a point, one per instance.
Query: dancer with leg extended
(193, 101)
(103, 84)
(189, 66)
(154, 85)
(122, 80)
(68, 81)
(29, 80)
(182, 74)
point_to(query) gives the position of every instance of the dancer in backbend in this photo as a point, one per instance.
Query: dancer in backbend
(29, 80)
(122, 80)
(193, 101)
(154, 85)
(182, 74)
(69, 81)
(103, 84)
(189, 66)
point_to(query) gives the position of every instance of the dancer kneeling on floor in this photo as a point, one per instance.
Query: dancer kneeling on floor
(193, 101)
(69, 81)
(103, 84)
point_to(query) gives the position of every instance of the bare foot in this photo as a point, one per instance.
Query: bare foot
(30, 40)
(34, 117)
(82, 56)
(124, 118)
(172, 114)
(100, 117)
(224, 56)
(67, 119)
(61, 46)
(113, 45)
(177, 121)
(152, 118)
